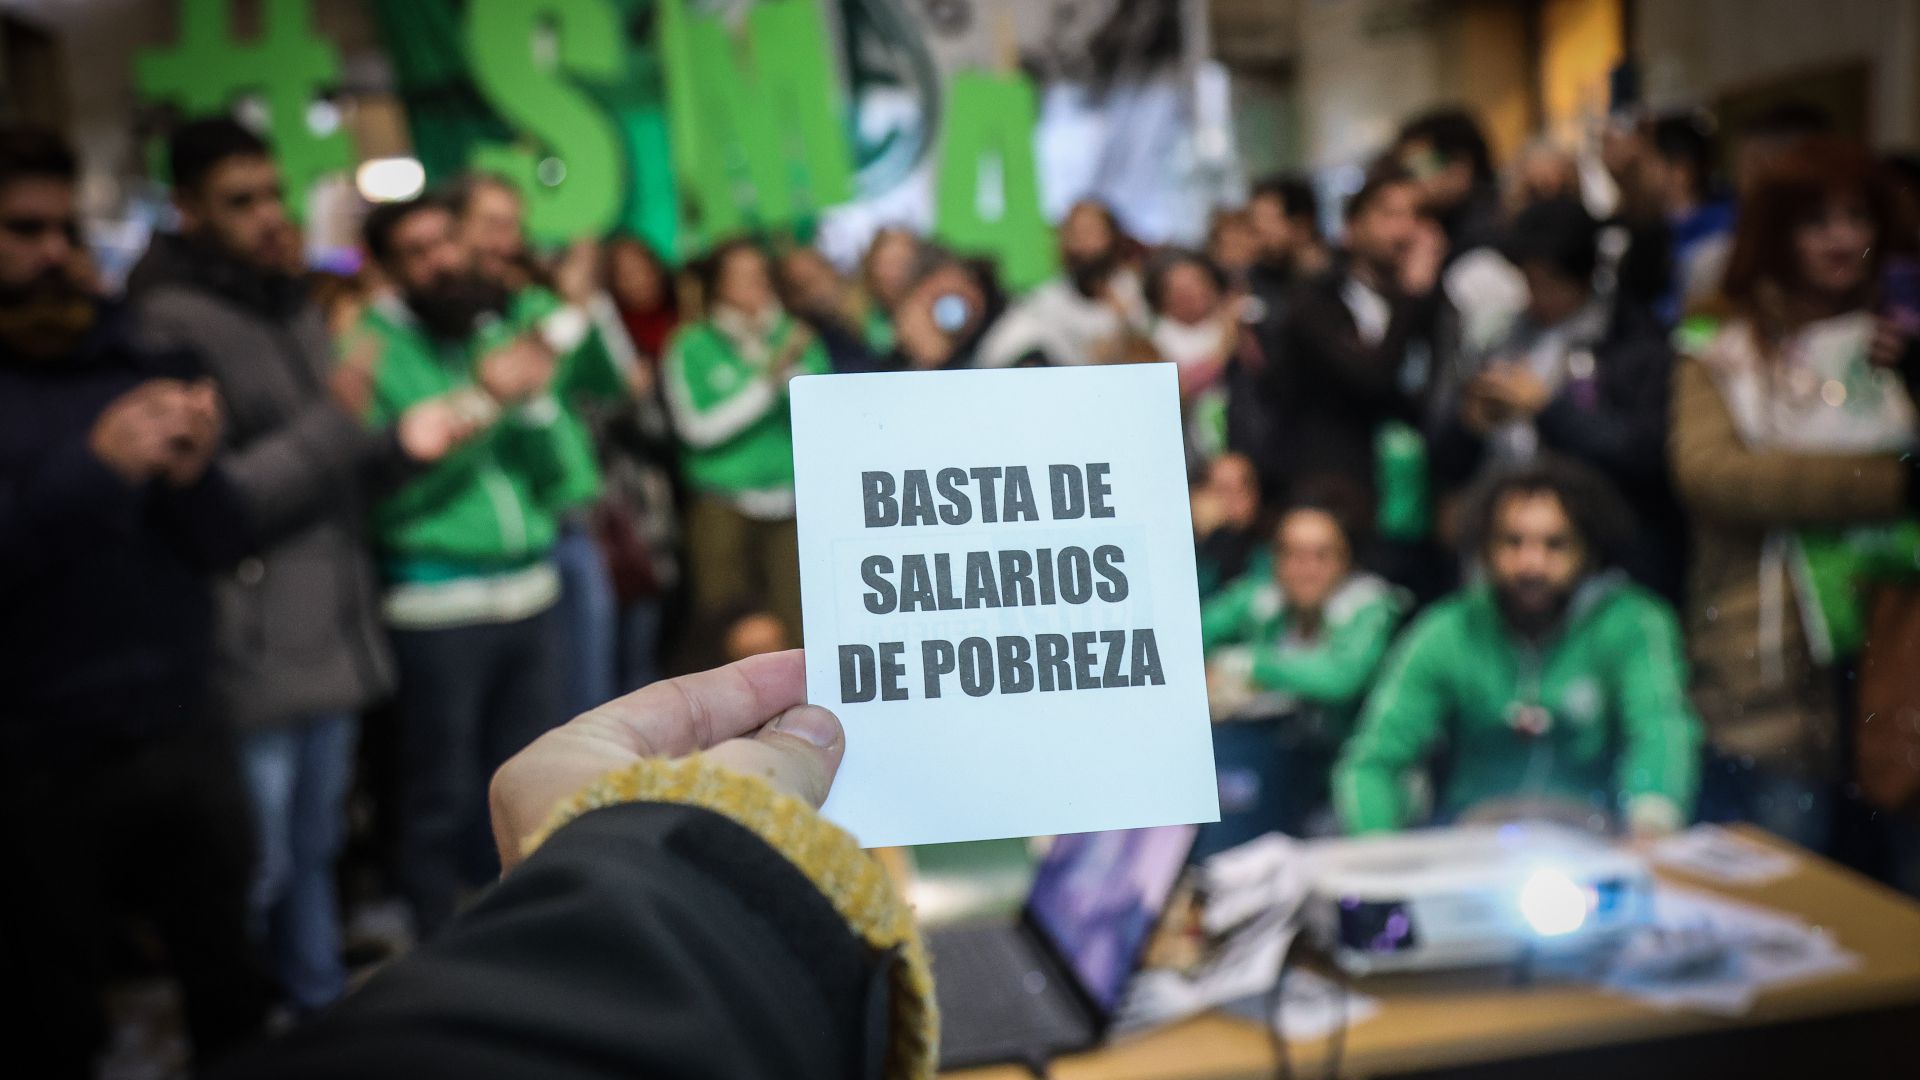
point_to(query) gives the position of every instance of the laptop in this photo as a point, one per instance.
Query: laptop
(1050, 982)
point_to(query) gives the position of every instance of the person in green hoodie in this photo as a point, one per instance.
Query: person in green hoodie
(466, 546)
(1553, 687)
(726, 387)
(490, 224)
(1291, 649)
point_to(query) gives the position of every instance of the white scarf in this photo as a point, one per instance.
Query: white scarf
(751, 337)
(1819, 395)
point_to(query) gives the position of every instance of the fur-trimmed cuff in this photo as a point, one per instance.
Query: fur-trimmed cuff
(851, 879)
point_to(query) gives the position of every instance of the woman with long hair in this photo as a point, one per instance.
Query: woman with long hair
(1792, 430)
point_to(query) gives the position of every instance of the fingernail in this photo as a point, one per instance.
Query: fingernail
(810, 724)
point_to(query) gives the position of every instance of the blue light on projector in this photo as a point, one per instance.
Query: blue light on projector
(1552, 904)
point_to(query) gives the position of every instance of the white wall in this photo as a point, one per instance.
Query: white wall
(1357, 85)
(1694, 50)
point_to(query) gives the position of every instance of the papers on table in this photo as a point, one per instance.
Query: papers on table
(1264, 876)
(1716, 955)
(1239, 978)
(1254, 892)
(1722, 856)
(1700, 950)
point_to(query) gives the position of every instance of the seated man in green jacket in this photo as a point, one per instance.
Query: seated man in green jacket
(466, 547)
(1553, 688)
(1291, 650)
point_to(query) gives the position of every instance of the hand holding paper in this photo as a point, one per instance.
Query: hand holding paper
(1000, 603)
(747, 717)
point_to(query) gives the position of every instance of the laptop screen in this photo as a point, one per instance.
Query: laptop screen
(1097, 896)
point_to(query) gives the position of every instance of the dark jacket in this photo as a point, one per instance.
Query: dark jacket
(105, 621)
(641, 940)
(1331, 390)
(1478, 221)
(1252, 413)
(1615, 422)
(296, 629)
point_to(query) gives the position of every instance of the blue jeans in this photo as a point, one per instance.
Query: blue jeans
(587, 617)
(470, 698)
(299, 776)
(1795, 809)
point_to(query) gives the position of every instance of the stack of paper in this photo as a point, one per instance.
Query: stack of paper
(1717, 955)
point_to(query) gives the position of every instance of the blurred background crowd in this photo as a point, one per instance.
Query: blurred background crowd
(1575, 480)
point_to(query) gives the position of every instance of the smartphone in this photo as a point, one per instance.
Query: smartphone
(1900, 292)
(950, 313)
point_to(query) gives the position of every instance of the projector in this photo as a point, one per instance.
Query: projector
(1470, 896)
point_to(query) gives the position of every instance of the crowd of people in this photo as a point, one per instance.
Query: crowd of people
(1506, 502)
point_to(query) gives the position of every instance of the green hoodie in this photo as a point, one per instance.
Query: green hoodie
(730, 412)
(588, 373)
(1247, 629)
(1619, 730)
(492, 505)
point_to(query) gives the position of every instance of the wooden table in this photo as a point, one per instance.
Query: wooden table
(1848, 1025)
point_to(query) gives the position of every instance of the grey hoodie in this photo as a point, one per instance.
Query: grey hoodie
(295, 629)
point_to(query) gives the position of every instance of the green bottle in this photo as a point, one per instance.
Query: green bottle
(1400, 475)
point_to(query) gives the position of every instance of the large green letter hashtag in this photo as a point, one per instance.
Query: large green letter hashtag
(207, 69)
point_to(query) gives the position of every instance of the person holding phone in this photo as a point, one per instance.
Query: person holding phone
(947, 306)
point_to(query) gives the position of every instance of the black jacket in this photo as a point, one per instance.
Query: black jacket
(641, 940)
(104, 605)
(1616, 425)
(1252, 413)
(1331, 391)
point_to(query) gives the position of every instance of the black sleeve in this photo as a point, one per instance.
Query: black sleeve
(846, 350)
(1626, 436)
(384, 466)
(642, 940)
(1322, 336)
(210, 521)
(297, 474)
(59, 503)
(1454, 453)
(1909, 368)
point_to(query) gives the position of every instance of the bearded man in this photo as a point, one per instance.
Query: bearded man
(117, 781)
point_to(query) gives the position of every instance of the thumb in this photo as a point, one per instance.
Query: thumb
(798, 753)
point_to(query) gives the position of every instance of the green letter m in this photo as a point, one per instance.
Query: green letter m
(757, 128)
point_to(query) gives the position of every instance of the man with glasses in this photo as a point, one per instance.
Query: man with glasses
(118, 787)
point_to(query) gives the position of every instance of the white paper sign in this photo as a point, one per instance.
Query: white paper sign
(997, 572)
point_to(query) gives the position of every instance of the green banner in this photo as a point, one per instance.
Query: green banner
(758, 122)
(208, 70)
(987, 193)
(568, 161)
(658, 117)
